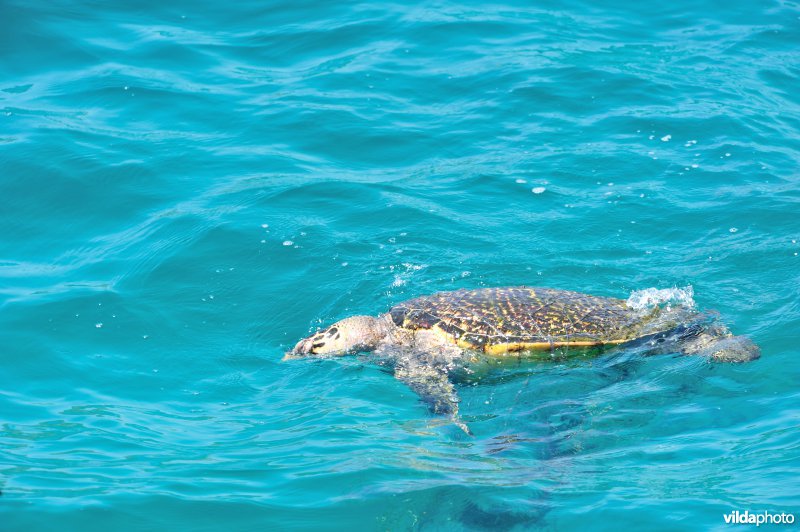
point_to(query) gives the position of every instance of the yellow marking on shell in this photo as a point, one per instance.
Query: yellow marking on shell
(450, 339)
(463, 344)
(501, 349)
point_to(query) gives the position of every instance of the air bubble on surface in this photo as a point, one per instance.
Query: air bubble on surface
(288, 243)
(98, 325)
(538, 190)
(650, 297)
(733, 229)
(521, 181)
(666, 138)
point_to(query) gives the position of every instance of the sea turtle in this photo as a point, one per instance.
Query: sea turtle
(425, 339)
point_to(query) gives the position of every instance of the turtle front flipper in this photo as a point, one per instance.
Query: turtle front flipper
(433, 386)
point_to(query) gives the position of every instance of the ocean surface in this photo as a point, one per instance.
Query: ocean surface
(188, 188)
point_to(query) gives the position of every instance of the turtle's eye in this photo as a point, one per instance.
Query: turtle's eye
(317, 341)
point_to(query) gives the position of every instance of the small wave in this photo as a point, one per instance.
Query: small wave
(651, 297)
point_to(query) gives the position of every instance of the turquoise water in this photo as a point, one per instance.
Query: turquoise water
(189, 188)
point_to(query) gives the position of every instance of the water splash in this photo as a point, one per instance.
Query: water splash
(651, 297)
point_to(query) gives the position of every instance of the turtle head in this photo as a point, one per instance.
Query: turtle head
(350, 335)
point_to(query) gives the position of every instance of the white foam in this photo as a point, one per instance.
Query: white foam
(651, 297)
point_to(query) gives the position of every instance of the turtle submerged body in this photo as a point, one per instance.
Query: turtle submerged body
(428, 337)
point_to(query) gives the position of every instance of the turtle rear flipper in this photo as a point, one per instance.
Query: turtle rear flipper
(733, 349)
(433, 386)
(717, 343)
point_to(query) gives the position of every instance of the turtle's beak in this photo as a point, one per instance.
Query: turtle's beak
(302, 349)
